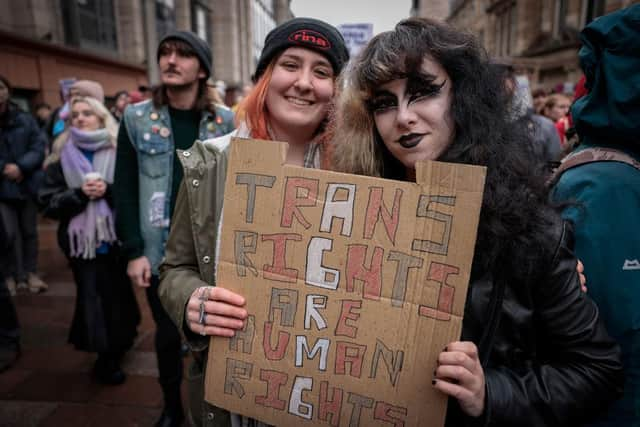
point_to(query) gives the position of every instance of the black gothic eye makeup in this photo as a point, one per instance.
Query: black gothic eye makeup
(426, 90)
(382, 101)
(418, 87)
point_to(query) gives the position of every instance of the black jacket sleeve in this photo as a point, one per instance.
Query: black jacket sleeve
(577, 371)
(34, 155)
(57, 200)
(126, 196)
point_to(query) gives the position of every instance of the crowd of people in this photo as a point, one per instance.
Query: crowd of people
(137, 193)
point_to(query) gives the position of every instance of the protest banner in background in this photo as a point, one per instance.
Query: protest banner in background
(356, 36)
(354, 285)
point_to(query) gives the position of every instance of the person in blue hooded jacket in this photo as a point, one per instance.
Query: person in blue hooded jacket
(603, 194)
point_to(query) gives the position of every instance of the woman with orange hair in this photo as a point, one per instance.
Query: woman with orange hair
(295, 86)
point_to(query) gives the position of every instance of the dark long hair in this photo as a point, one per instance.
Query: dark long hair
(515, 216)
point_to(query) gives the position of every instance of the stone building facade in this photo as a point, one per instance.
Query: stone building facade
(539, 37)
(114, 41)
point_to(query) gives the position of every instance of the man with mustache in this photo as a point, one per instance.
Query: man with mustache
(147, 178)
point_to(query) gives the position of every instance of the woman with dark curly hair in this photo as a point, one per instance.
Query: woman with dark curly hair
(533, 351)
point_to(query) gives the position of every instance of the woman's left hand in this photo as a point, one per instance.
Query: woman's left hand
(99, 188)
(460, 375)
(94, 189)
(583, 278)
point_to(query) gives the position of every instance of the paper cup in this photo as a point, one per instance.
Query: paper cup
(92, 176)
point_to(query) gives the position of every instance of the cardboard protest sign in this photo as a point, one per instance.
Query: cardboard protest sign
(354, 285)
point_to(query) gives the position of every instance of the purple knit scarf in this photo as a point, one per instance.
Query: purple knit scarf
(95, 224)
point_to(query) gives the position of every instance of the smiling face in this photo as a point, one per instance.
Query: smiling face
(413, 114)
(84, 118)
(299, 92)
(179, 66)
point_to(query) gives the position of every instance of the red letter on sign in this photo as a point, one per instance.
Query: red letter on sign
(278, 270)
(342, 328)
(376, 209)
(440, 273)
(383, 412)
(353, 354)
(274, 380)
(281, 348)
(292, 201)
(372, 277)
(330, 408)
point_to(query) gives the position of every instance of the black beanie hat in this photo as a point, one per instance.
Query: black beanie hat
(199, 46)
(308, 33)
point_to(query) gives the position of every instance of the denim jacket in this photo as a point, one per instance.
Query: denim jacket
(149, 130)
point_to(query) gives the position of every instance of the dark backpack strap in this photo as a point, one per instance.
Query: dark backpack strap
(589, 155)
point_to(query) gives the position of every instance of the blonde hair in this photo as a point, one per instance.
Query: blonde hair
(354, 133)
(107, 120)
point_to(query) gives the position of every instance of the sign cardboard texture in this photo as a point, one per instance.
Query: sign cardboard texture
(354, 285)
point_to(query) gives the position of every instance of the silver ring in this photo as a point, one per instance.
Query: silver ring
(202, 316)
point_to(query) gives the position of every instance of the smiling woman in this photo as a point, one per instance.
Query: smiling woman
(290, 102)
(298, 98)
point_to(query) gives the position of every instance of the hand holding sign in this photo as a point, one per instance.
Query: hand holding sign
(460, 375)
(215, 311)
(352, 284)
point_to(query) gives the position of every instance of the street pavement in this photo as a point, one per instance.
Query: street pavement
(51, 384)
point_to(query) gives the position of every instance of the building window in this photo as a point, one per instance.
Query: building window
(200, 20)
(165, 17)
(505, 28)
(263, 22)
(90, 24)
(559, 18)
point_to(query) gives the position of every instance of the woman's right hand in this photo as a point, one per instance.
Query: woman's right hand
(94, 189)
(87, 189)
(213, 310)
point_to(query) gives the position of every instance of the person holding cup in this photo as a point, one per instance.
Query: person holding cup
(77, 192)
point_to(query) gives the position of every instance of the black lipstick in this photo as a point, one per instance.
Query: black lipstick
(410, 140)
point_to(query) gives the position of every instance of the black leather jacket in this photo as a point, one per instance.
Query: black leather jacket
(548, 361)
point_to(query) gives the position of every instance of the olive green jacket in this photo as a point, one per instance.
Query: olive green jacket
(189, 261)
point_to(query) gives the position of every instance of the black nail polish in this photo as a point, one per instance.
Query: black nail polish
(433, 382)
